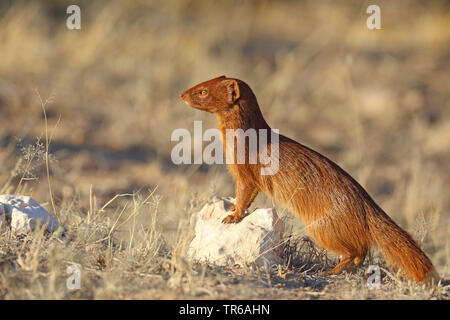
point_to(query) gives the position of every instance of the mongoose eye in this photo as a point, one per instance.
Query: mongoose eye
(203, 92)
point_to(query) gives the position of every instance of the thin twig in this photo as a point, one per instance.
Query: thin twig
(47, 145)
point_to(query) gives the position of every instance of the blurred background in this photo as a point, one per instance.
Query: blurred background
(377, 102)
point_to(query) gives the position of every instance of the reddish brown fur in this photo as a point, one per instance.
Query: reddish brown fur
(338, 213)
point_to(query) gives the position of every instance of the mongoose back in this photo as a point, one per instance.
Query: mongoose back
(338, 213)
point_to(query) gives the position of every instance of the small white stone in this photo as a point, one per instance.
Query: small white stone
(25, 213)
(255, 239)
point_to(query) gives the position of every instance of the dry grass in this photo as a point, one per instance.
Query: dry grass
(376, 102)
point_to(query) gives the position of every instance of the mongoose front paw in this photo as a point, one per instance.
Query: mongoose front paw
(232, 218)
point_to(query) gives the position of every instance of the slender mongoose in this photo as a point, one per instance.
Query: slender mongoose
(338, 213)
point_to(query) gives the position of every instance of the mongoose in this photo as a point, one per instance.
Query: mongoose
(338, 213)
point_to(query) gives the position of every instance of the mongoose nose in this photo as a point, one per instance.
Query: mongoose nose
(182, 96)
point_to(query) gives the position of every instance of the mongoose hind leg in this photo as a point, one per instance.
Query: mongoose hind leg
(348, 262)
(345, 264)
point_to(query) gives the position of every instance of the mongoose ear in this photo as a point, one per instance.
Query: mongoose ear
(232, 89)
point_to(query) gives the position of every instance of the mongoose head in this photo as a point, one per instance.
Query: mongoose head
(217, 95)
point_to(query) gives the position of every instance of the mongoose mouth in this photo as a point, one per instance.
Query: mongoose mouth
(184, 97)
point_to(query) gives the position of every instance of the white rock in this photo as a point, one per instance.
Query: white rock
(23, 214)
(255, 239)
